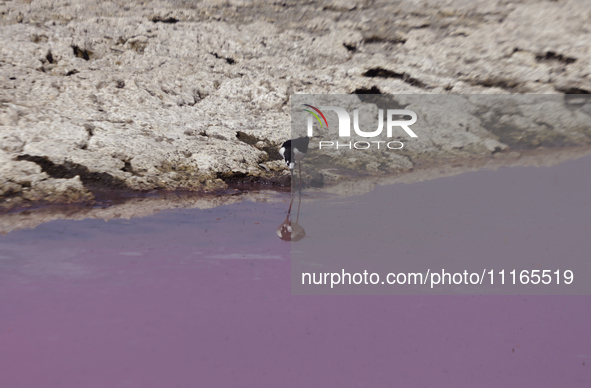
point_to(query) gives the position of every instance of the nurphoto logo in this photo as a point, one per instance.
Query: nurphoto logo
(394, 118)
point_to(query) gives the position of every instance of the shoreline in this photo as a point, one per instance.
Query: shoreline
(130, 204)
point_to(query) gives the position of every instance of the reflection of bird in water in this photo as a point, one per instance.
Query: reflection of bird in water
(289, 231)
(293, 151)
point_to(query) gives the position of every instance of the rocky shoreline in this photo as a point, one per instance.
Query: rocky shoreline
(196, 95)
(116, 205)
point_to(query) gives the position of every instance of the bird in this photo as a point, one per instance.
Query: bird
(293, 152)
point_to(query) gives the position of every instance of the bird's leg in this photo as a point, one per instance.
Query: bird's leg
(291, 203)
(300, 167)
(298, 214)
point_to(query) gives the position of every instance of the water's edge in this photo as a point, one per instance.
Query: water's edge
(121, 204)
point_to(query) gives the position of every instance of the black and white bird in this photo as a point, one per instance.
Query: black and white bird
(293, 151)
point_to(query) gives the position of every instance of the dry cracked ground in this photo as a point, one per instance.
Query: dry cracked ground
(142, 95)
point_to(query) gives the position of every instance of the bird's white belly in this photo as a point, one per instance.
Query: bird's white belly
(297, 155)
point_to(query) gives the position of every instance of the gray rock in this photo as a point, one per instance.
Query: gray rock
(185, 95)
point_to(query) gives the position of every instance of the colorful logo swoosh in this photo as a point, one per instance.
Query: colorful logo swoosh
(315, 115)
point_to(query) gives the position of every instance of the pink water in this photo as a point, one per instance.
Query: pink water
(199, 298)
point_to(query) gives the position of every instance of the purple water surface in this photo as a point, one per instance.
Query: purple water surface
(520, 218)
(201, 298)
